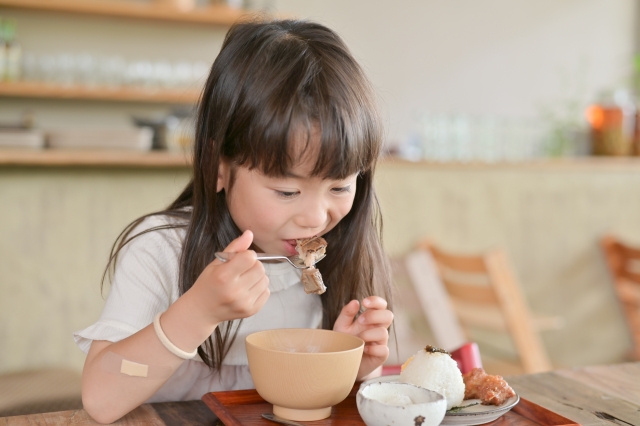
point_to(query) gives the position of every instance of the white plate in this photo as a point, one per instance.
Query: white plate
(478, 414)
(391, 378)
(475, 415)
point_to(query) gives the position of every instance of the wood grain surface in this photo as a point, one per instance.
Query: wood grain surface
(590, 396)
(237, 408)
(589, 406)
(218, 14)
(246, 408)
(185, 413)
(92, 158)
(144, 415)
(623, 381)
(25, 89)
(537, 414)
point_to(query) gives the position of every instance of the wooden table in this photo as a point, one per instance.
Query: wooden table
(602, 395)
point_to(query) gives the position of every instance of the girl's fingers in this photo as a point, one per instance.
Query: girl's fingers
(262, 298)
(260, 285)
(382, 318)
(378, 351)
(348, 313)
(374, 302)
(239, 245)
(253, 275)
(249, 301)
(375, 336)
(241, 263)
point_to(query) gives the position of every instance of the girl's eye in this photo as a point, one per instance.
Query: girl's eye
(284, 194)
(341, 190)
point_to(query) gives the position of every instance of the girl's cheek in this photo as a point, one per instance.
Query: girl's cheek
(347, 206)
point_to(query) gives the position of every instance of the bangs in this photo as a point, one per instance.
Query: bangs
(300, 99)
(337, 150)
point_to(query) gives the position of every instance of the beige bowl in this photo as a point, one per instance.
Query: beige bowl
(303, 372)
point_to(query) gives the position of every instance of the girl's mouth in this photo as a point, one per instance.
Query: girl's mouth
(290, 247)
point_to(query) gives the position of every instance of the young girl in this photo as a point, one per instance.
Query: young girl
(287, 140)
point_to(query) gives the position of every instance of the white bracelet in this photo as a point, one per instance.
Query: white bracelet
(167, 343)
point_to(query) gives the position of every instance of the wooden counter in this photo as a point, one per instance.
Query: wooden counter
(592, 396)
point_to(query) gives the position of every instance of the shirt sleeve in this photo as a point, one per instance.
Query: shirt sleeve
(145, 282)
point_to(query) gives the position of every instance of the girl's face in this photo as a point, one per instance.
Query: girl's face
(280, 210)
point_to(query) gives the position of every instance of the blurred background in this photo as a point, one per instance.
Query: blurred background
(510, 125)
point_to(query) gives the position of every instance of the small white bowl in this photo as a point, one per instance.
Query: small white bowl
(428, 407)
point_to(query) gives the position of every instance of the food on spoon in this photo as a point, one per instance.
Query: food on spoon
(433, 368)
(312, 281)
(309, 251)
(491, 390)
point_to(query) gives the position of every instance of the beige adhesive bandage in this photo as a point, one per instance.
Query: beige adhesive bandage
(117, 364)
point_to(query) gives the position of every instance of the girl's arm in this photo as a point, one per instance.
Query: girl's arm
(235, 289)
(371, 326)
(107, 396)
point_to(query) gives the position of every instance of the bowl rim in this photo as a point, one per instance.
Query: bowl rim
(401, 384)
(359, 347)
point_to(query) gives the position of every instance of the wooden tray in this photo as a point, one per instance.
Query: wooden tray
(245, 407)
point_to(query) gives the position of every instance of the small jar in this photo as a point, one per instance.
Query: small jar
(613, 125)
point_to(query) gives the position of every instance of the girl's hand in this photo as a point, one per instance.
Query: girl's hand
(234, 289)
(371, 326)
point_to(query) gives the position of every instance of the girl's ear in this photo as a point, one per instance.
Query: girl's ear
(223, 176)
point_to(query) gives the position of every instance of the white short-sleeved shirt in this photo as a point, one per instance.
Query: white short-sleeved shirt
(146, 282)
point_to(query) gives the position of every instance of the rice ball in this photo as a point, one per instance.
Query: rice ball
(434, 369)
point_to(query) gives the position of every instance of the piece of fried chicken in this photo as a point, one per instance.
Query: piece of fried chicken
(310, 250)
(491, 390)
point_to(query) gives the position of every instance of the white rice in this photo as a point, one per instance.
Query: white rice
(436, 371)
(399, 400)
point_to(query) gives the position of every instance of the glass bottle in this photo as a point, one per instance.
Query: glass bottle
(612, 123)
(3, 52)
(13, 52)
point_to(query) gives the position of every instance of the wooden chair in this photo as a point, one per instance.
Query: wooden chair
(624, 265)
(460, 294)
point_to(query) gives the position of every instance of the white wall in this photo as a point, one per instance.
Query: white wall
(506, 57)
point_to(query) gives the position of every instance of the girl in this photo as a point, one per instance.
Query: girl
(287, 139)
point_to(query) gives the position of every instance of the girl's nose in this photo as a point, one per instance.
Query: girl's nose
(312, 215)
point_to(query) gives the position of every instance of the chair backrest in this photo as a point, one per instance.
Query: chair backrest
(485, 295)
(436, 304)
(624, 265)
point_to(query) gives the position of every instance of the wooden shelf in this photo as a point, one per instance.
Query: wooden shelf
(586, 163)
(160, 159)
(214, 14)
(126, 94)
(92, 158)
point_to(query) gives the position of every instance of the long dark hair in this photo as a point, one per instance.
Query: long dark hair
(272, 79)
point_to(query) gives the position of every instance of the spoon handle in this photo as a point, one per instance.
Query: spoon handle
(223, 256)
(280, 420)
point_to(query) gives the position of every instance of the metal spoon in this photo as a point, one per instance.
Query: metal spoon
(295, 261)
(280, 420)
